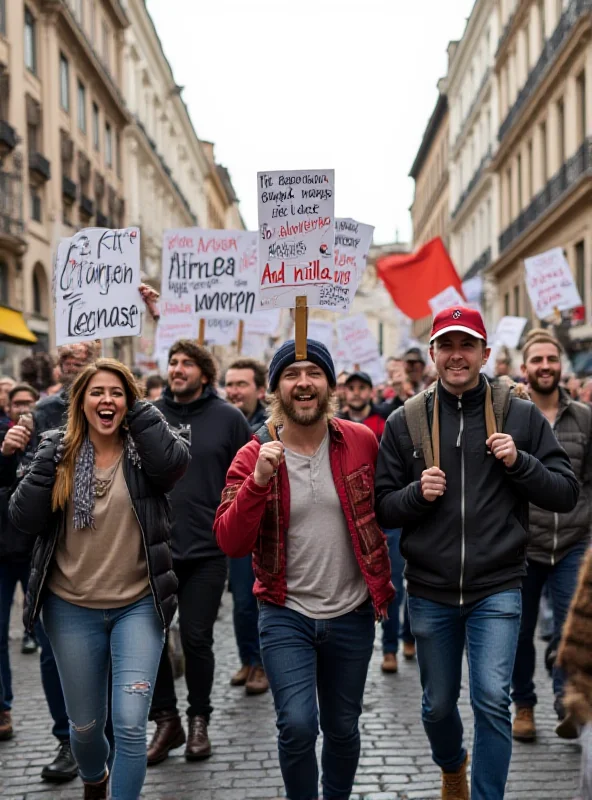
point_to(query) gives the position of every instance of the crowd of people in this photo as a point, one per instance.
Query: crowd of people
(443, 504)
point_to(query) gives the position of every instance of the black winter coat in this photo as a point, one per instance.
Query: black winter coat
(14, 544)
(164, 458)
(471, 542)
(51, 412)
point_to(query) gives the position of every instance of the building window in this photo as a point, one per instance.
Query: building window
(106, 45)
(95, 127)
(542, 23)
(519, 170)
(33, 139)
(3, 16)
(530, 167)
(37, 301)
(4, 284)
(507, 304)
(544, 170)
(117, 155)
(64, 83)
(93, 21)
(35, 200)
(517, 301)
(30, 42)
(580, 253)
(581, 106)
(81, 107)
(108, 145)
(510, 192)
(561, 130)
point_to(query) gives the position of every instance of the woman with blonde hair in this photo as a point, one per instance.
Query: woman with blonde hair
(95, 496)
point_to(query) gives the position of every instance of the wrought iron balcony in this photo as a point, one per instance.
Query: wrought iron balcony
(102, 220)
(39, 167)
(68, 189)
(8, 138)
(570, 172)
(472, 183)
(478, 265)
(553, 45)
(86, 206)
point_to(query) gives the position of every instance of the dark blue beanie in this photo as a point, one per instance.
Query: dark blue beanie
(316, 352)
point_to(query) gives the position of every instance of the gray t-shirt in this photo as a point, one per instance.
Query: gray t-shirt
(324, 579)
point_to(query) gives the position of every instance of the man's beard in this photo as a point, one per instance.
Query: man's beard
(535, 385)
(188, 390)
(309, 416)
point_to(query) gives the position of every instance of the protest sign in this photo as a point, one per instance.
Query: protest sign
(97, 276)
(296, 241)
(221, 331)
(322, 332)
(352, 244)
(550, 283)
(211, 274)
(265, 323)
(356, 339)
(445, 299)
(171, 329)
(509, 330)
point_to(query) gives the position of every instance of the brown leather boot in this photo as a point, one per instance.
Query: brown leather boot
(389, 663)
(240, 678)
(409, 650)
(96, 791)
(6, 731)
(454, 784)
(168, 735)
(198, 742)
(257, 682)
(524, 728)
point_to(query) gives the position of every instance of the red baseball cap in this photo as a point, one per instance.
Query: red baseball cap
(458, 318)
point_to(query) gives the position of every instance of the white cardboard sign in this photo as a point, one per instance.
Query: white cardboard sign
(322, 332)
(221, 331)
(356, 339)
(509, 330)
(296, 240)
(97, 276)
(550, 283)
(263, 323)
(171, 329)
(209, 274)
(445, 299)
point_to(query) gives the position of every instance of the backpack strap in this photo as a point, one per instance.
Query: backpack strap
(500, 395)
(416, 417)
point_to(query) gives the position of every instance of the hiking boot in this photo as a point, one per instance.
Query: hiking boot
(240, 678)
(257, 682)
(168, 735)
(198, 741)
(568, 728)
(389, 662)
(524, 728)
(63, 768)
(6, 730)
(96, 791)
(454, 784)
(408, 650)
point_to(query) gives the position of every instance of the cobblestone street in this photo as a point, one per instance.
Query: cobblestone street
(395, 763)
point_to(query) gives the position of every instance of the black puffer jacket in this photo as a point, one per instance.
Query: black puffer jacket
(471, 542)
(14, 544)
(552, 535)
(164, 458)
(51, 412)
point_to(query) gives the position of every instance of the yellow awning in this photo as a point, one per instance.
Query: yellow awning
(13, 327)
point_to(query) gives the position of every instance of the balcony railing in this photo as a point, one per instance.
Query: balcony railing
(102, 220)
(478, 265)
(11, 205)
(553, 45)
(86, 205)
(68, 188)
(8, 138)
(472, 183)
(573, 169)
(40, 166)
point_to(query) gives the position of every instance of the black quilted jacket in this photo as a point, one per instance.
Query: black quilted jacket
(164, 458)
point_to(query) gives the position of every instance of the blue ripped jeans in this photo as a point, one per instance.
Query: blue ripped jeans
(85, 641)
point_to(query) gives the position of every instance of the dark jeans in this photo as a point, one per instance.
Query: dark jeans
(391, 627)
(305, 658)
(11, 574)
(245, 613)
(561, 580)
(490, 629)
(201, 583)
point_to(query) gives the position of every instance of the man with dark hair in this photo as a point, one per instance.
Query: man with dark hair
(358, 400)
(415, 368)
(299, 496)
(245, 384)
(215, 432)
(556, 542)
(457, 467)
(154, 387)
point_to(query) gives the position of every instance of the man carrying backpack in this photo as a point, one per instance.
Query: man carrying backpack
(457, 467)
(557, 542)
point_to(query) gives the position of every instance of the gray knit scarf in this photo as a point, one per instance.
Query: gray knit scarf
(84, 481)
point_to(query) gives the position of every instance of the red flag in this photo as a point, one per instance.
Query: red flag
(412, 280)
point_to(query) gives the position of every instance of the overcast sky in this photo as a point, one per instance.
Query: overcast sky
(314, 84)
